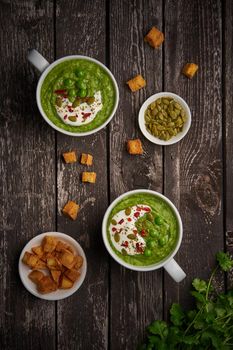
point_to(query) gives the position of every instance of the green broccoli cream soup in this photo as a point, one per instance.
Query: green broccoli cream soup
(142, 229)
(78, 95)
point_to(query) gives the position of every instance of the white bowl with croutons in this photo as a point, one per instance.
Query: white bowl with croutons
(49, 278)
(179, 130)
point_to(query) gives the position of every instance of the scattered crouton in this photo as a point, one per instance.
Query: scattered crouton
(72, 274)
(88, 177)
(38, 251)
(190, 69)
(69, 157)
(134, 146)
(56, 275)
(136, 83)
(35, 276)
(78, 262)
(40, 265)
(71, 210)
(66, 283)
(46, 285)
(67, 259)
(86, 159)
(49, 244)
(154, 37)
(30, 259)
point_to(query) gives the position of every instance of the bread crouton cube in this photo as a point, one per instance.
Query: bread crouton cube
(38, 251)
(136, 83)
(40, 265)
(61, 246)
(67, 259)
(66, 283)
(53, 263)
(134, 146)
(30, 259)
(56, 275)
(69, 157)
(49, 244)
(72, 274)
(154, 37)
(35, 276)
(190, 69)
(46, 285)
(86, 159)
(71, 210)
(88, 177)
(78, 261)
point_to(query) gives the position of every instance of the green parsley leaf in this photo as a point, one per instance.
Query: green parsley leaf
(199, 285)
(225, 261)
(177, 315)
(158, 328)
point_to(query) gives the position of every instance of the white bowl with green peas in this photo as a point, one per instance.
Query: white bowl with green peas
(171, 111)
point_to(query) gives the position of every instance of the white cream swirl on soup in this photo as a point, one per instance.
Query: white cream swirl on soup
(123, 232)
(79, 115)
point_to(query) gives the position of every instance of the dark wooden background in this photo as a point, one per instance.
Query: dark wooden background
(114, 305)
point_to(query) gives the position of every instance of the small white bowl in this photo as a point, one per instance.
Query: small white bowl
(24, 270)
(174, 139)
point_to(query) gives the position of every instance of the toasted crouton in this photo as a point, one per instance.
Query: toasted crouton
(38, 250)
(30, 259)
(49, 244)
(190, 69)
(86, 159)
(136, 83)
(71, 210)
(134, 146)
(46, 285)
(40, 265)
(67, 259)
(154, 37)
(55, 275)
(88, 177)
(66, 283)
(35, 276)
(69, 157)
(78, 262)
(72, 274)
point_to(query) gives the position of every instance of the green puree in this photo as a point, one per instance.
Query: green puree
(82, 78)
(161, 228)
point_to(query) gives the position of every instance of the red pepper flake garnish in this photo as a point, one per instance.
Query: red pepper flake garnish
(129, 219)
(143, 233)
(86, 115)
(113, 229)
(136, 214)
(121, 221)
(60, 92)
(125, 244)
(146, 209)
(138, 248)
(139, 208)
(65, 117)
(70, 109)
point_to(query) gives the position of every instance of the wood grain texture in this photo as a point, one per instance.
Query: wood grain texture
(83, 319)
(193, 168)
(136, 298)
(228, 128)
(27, 172)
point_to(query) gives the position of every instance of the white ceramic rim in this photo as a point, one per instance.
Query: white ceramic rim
(60, 293)
(122, 262)
(174, 139)
(41, 80)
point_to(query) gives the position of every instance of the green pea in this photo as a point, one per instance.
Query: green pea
(114, 222)
(79, 73)
(72, 118)
(123, 251)
(76, 102)
(163, 240)
(91, 100)
(151, 244)
(116, 237)
(68, 82)
(72, 93)
(82, 92)
(147, 252)
(58, 101)
(150, 217)
(131, 236)
(158, 220)
(153, 233)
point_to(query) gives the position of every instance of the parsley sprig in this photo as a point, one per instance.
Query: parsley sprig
(208, 326)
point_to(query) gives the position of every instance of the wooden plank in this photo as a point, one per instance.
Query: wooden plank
(136, 298)
(228, 128)
(27, 172)
(80, 29)
(193, 167)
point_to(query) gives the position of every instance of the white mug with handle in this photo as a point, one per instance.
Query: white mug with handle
(169, 263)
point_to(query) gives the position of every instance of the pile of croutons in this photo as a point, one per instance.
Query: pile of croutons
(59, 262)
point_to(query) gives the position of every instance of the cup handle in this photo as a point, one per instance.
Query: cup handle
(174, 270)
(37, 60)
